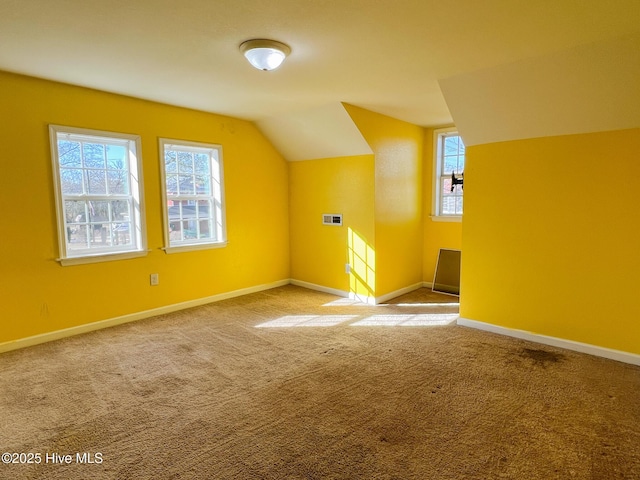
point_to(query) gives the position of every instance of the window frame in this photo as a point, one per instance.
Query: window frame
(216, 196)
(135, 196)
(438, 160)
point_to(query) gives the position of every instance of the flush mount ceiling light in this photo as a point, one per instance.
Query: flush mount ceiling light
(265, 54)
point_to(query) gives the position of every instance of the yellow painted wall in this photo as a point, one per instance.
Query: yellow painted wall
(398, 207)
(39, 295)
(398, 150)
(437, 234)
(335, 185)
(551, 237)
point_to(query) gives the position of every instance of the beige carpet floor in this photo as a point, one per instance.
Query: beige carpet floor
(295, 384)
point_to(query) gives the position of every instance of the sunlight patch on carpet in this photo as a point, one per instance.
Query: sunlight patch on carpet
(417, 320)
(420, 320)
(341, 302)
(307, 321)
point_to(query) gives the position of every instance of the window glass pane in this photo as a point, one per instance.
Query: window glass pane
(77, 237)
(203, 185)
(185, 162)
(451, 145)
(448, 205)
(202, 163)
(98, 212)
(187, 210)
(118, 182)
(121, 233)
(100, 235)
(175, 232)
(170, 161)
(116, 157)
(204, 209)
(93, 155)
(186, 186)
(189, 229)
(173, 211)
(71, 180)
(451, 165)
(205, 229)
(457, 190)
(120, 211)
(97, 181)
(172, 184)
(446, 185)
(69, 154)
(186, 217)
(75, 212)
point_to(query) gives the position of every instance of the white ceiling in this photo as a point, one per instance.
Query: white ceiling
(302, 135)
(384, 55)
(588, 88)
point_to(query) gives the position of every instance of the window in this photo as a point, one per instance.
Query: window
(193, 195)
(98, 187)
(449, 169)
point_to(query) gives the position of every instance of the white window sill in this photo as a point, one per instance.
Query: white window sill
(446, 218)
(109, 257)
(194, 247)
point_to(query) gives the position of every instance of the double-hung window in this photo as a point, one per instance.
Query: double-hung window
(193, 195)
(449, 154)
(98, 187)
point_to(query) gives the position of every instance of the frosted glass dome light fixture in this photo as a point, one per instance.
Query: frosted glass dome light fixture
(265, 54)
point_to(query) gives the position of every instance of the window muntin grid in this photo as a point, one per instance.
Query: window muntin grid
(450, 159)
(98, 192)
(193, 191)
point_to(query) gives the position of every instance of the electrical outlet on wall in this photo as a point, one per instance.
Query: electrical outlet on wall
(154, 279)
(347, 268)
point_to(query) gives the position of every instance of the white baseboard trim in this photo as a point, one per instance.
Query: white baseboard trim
(111, 322)
(609, 353)
(397, 293)
(319, 288)
(335, 291)
(361, 298)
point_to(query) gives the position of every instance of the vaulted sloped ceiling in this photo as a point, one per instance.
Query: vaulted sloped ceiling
(589, 88)
(324, 132)
(504, 66)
